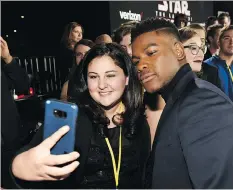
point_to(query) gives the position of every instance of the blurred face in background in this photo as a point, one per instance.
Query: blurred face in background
(80, 52)
(126, 44)
(194, 52)
(76, 34)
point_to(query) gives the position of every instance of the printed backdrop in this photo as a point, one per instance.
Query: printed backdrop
(121, 11)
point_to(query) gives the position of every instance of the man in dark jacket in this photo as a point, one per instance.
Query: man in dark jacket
(193, 145)
(12, 77)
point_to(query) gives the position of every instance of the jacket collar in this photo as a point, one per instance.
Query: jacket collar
(173, 88)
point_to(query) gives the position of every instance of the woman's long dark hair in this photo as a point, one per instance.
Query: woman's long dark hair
(67, 31)
(132, 97)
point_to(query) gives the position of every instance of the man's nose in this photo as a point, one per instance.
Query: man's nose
(142, 65)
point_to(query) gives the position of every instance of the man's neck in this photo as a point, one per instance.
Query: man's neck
(228, 59)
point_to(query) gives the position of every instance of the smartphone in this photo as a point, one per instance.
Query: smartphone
(58, 114)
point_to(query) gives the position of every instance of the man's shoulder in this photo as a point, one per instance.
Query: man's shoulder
(203, 90)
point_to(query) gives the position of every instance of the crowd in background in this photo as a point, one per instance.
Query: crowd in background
(120, 99)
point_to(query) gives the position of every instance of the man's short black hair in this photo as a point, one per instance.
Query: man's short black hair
(210, 21)
(85, 42)
(154, 24)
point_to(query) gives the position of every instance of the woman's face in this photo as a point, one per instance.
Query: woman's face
(194, 54)
(106, 81)
(76, 34)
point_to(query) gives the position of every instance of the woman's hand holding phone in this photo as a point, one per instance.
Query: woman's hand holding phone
(38, 164)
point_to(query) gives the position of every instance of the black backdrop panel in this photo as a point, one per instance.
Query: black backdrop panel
(121, 11)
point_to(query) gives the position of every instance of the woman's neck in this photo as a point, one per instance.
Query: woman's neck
(110, 113)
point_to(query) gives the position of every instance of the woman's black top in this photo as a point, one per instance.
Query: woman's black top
(99, 169)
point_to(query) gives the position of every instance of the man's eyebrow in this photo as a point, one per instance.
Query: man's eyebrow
(149, 45)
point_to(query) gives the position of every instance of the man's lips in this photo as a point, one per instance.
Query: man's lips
(146, 77)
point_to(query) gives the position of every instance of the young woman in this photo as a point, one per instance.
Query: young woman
(112, 134)
(73, 33)
(193, 47)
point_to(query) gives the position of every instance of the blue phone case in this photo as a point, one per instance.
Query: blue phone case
(53, 123)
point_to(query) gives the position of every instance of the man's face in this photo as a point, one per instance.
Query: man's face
(80, 52)
(226, 43)
(156, 57)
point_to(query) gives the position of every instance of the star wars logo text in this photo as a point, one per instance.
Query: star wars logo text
(168, 9)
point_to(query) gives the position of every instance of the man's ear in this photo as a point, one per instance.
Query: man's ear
(179, 51)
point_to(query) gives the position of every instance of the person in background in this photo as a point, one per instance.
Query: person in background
(122, 36)
(103, 38)
(111, 125)
(224, 19)
(194, 51)
(212, 37)
(221, 65)
(200, 30)
(12, 77)
(180, 20)
(73, 33)
(80, 49)
(211, 20)
(195, 129)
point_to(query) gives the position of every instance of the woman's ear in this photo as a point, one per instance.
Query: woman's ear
(127, 81)
(179, 51)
